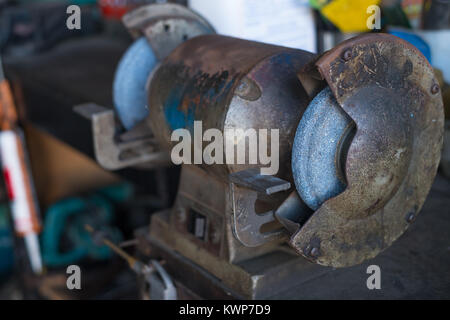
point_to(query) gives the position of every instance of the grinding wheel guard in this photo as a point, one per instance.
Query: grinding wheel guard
(158, 28)
(389, 90)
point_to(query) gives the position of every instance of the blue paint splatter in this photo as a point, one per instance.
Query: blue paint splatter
(175, 117)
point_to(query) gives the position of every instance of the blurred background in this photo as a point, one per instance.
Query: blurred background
(52, 68)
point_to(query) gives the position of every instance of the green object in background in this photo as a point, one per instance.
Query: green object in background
(317, 4)
(394, 16)
(118, 193)
(6, 242)
(65, 220)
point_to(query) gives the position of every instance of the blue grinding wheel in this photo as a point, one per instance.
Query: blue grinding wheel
(129, 94)
(319, 151)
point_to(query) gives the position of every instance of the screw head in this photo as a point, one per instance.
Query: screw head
(314, 252)
(410, 216)
(434, 88)
(347, 55)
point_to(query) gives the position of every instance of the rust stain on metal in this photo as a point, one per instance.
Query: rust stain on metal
(229, 83)
(383, 83)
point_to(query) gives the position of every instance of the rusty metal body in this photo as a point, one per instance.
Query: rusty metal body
(222, 213)
(381, 82)
(390, 91)
(384, 85)
(229, 83)
(215, 264)
(164, 27)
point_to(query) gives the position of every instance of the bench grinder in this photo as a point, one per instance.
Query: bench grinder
(360, 136)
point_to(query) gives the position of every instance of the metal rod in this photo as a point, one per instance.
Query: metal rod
(130, 259)
(129, 243)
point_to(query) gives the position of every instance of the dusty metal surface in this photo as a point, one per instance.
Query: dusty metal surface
(388, 88)
(229, 83)
(292, 212)
(265, 184)
(113, 151)
(384, 85)
(257, 275)
(252, 192)
(166, 26)
(202, 215)
(415, 267)
(161, 28)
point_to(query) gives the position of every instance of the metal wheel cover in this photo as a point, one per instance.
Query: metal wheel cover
(164, 26)
(389, 90)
